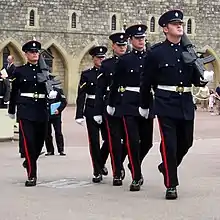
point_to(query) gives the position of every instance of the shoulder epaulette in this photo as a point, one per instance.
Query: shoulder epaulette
(156, 45)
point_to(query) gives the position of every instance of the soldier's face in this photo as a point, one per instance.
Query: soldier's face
(97, 61)
(119, 49)
(174, 29)
(138, 42)
(32, 56)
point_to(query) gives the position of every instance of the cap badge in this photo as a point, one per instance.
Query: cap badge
(34, 45)
(100, 50)
(176, 14)
(121, 36)
(139, 29)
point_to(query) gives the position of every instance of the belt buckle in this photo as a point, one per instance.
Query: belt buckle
(180, 89)
(121, 89)
(36, 96)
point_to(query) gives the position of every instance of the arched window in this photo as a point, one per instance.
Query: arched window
(6, 53)
(189, 26)
(32, 18)
(152, 24)
(113, 22)
(73, 23)
(48, 57)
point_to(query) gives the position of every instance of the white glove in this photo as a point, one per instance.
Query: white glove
(6, 103)
(208, 75)
(98, 119)
(110, 110)
(143, 112)
(52, 94)
(80, 121)
(12, 116)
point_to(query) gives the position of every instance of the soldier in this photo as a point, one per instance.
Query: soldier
(126, 81)
(113, 124)
(85, 108)
(173, 104)
(4, 92)
(30, 98)
(55, 119)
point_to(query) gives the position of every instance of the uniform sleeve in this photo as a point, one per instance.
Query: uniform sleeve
(62, 100)
(116, 81)
(100, 91)
(196, 78)
(81, 97)
(14, 93)
(147, 80)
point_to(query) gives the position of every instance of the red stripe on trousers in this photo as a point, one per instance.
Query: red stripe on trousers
(25, 149)
(110, 146)
(163, 146)
(128, 147)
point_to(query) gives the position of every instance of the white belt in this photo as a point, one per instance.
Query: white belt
(91, 96)
(33, 95)
(179, 89)
(132, 89)
(1, 97)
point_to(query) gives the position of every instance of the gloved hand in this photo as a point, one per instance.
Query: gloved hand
(208, 75)
(98, 119)
(12, 116)
(143, 112)
(52, 94)
(80, 121)
(110, 110)
(6, 103)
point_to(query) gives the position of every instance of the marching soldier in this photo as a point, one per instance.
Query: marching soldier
(166, 71)
(85, 108)
(126, 81)
(113, 124)
(30, 98)
(55, 119)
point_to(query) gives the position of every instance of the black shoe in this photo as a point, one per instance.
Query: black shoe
(62, 154)
(122, 173)
(129, 166)
(104, 171)
(42, 152)
(97, 179)
(31, 182)
(49, 154)
(22, 155)
(24, 164)
(135, 186)
(141, 181)
(171, 193)
(117, 181)
(161, 168)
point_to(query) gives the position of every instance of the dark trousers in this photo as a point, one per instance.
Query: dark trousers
(98, 156)
(57, 125)
(33, 136)
(117, 149)
(21, 142)
(176, 139)
(138, 133)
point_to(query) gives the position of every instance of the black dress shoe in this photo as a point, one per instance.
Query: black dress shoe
(135, 186)
(117, 181)
(97, 178)
(171, 193)
(62, 154)
(122, 173)
(22, 155)
(104, 171)
(31, 182)
(161, 168)
(49, 154)
(141, 181)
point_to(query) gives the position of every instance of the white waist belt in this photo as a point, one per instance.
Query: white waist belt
(1, 97)
(91, 96)
(33, 95)
(132, 89)
(179, 89)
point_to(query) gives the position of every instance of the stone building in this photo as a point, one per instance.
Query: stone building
(68, 29)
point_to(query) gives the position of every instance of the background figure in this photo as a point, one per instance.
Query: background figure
(211, 101)
(56, 121)
(10, 67)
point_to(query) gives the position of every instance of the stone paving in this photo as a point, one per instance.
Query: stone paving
(65, 190)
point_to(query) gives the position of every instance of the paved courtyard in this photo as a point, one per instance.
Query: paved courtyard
(65, 190)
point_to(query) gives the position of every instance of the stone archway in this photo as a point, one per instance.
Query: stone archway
(60, 63)
(14, 49)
